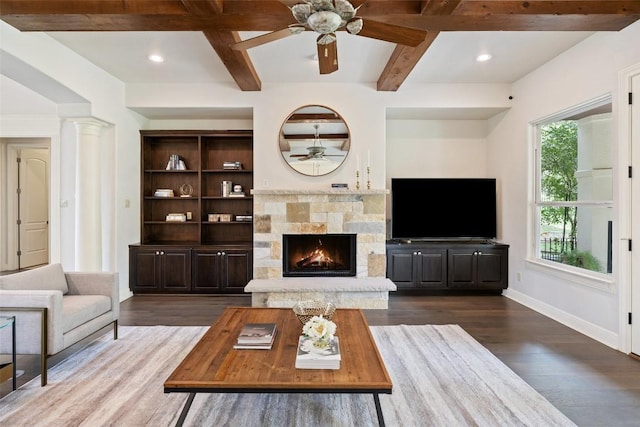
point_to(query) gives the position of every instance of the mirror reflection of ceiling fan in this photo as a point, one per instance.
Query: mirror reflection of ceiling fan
(325, 17)
(315, 151)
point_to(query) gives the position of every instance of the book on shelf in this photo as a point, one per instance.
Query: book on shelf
(311, 357)
(256, 336)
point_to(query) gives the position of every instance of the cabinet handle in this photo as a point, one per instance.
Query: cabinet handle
(161, 252)
(223, 253)
(219, 253)
(157, 252)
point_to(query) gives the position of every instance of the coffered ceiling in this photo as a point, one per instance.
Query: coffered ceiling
(197, 37)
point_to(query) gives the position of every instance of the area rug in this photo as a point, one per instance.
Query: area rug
(441, 377)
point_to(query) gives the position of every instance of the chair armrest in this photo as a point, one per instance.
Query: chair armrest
(96, 283)
(29, 322)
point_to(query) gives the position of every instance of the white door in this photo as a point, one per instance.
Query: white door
(635, 216)
(33, 206)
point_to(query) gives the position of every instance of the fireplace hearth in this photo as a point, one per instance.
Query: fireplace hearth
(319, 255)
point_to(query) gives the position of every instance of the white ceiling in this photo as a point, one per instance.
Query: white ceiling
(190, 59)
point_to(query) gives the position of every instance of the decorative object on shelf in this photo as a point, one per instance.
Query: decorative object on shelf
(225, 188)
(314, 140)
(163, 192)
(176, 217)
(189, 215)
(176, 163)
(186, 190)
(320, 331)
(305, 310)
(244, 218)
(232, 165)
(219, 217)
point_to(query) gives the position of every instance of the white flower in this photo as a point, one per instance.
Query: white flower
(319, 328)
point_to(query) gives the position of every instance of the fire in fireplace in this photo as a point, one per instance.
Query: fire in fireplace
(309, 255)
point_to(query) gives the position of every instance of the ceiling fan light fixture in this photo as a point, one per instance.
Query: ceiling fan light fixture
(354, 25)
(296, 29)
(324, 22)
(325, 39)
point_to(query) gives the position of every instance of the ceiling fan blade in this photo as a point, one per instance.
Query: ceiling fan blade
(328, 57)
(392, 33)
(263, 39)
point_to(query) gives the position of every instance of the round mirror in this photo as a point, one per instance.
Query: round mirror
(314, 140)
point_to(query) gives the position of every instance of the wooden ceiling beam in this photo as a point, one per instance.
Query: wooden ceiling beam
(221, 20)
(404, 58)
(236, 62)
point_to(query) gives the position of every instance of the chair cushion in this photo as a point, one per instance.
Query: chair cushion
(48, 278)
(79, 309)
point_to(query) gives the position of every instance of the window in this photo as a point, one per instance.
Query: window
(574, 188)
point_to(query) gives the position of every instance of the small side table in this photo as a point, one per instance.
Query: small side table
(8, 370)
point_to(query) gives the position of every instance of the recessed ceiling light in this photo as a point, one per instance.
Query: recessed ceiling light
(155, 58)
(483, 57)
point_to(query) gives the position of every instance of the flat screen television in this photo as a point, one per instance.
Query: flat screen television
(443, 208)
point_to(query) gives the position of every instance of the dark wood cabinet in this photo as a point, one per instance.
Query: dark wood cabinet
(420, 266)
(448, 265)
(212, 221)
(482, 267)
(160, 269)
(221, 270)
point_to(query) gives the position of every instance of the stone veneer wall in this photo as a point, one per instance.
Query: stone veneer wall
(278, 212)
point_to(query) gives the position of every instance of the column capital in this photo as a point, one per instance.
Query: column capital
(88, 124)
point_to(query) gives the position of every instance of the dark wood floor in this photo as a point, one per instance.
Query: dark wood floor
(592, 384)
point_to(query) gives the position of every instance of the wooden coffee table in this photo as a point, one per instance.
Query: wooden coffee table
(214, 366)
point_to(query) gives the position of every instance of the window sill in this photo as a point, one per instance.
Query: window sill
(592, 279)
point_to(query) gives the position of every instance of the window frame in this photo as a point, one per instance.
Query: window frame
(599, 280)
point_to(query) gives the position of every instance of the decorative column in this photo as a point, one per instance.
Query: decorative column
(88, 207)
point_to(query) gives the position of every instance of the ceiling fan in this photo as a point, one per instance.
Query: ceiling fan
(325, 17)
(315, 151)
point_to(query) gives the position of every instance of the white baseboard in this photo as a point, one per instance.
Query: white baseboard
(599, 334)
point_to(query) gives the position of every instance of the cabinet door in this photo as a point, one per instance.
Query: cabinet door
(462, 267)
(478, 267)
(492, 268)
(431, 268)
(144, 270)
(206, 270)
(237, 270)
(401, 266)
(176, 269)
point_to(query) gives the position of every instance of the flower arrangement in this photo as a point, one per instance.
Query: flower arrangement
(320, 330)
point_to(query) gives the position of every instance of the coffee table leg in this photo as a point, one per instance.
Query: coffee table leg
(376, 399)
(185, 410)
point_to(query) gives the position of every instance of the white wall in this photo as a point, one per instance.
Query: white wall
(30, 109)
(587, 71)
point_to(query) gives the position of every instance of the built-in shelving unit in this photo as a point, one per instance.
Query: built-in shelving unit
(216, 227)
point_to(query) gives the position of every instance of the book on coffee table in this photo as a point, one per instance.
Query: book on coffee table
(256, 336)
(312, 357)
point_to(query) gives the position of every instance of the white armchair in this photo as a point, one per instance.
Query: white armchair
(55, 310)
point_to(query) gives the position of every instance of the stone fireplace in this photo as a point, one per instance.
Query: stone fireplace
(360, 213)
